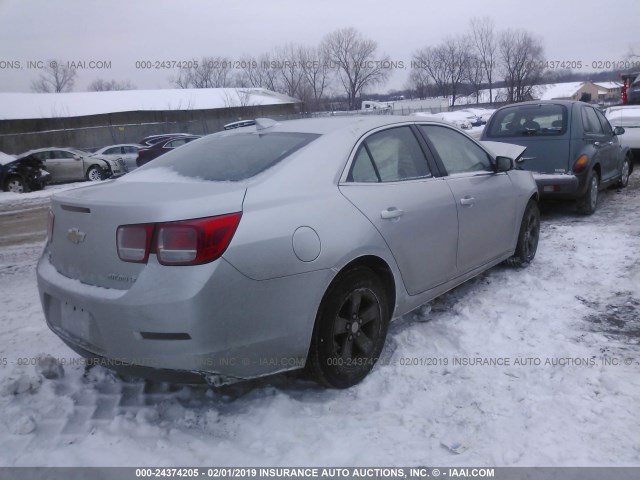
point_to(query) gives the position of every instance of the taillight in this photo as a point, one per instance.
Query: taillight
(194, 242)
(190, 242)
(134, 242)
(581, 164)
(50, 222)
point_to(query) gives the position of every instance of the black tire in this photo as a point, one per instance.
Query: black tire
(589, 201)
(344, 351)
(16, 184)
(528, 237)
(625, 173)
(95, 173)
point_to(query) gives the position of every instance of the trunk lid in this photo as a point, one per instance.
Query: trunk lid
(83, 245)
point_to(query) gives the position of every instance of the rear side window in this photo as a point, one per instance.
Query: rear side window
(606, 126)
(389, 156)
(528, 120)
(231, 157)
(590, 122)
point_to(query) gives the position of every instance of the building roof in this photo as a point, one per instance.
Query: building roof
(558, 90)
(608, 85)
(14, 106)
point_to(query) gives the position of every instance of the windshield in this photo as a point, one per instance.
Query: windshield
(529, 120)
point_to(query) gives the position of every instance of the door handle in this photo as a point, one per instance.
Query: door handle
(467, 201)
(391, 213)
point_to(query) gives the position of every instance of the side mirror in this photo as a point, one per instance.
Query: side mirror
(618, 131)
(504, 164)
(77, 157)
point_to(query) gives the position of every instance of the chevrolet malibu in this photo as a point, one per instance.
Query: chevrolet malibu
(280, 246)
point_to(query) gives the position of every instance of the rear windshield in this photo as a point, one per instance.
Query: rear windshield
(231, 157)
(528, 120)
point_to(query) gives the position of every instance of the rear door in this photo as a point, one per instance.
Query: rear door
(70, 164)
(55, 165)
(484, 199)
(391, 182)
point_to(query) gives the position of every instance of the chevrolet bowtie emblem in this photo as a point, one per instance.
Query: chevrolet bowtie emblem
(75, 235)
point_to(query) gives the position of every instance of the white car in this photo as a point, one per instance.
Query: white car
(126, 151)
(627, 117)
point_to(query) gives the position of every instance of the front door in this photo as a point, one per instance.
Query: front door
(484, 199)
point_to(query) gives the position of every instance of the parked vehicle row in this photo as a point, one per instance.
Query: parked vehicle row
(71, 164)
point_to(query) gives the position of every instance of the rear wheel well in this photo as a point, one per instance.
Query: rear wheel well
(596, 168)
(382, 269)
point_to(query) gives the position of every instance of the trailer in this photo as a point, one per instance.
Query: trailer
(407, 107)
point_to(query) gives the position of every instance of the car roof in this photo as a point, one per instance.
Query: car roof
(121, 145)
(566, 103)
(177, 137)
(48, 149)
(329, 124)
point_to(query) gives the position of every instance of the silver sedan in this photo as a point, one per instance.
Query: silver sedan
(70, 164)
(280, 245)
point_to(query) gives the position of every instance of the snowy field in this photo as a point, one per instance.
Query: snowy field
(567, 326)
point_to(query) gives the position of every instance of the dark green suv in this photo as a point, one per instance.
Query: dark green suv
(572, 149)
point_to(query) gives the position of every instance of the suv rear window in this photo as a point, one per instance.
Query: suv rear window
(528, 120)
(225, 158)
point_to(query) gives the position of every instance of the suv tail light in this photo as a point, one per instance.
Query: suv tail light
(581, 164)
(189, 242)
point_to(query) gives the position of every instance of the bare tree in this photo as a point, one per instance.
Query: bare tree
(522, 58)
(446, 64)
(485, 44)
(210, 72)
(287, 67)
(101, 85)
(316, 71)
(475, 76)
(355, 59)
(419, 82)
(56, 77)
(258, 72)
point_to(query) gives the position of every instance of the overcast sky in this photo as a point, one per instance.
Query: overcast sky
(124, 31)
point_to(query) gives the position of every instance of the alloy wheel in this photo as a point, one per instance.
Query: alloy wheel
(357, 325)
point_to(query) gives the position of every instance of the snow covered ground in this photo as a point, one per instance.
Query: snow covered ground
(573, 310)
(10, 198)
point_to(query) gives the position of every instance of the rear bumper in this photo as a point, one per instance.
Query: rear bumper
(559, 185)
(208, 320)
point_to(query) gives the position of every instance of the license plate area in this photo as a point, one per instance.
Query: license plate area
(75, 320)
